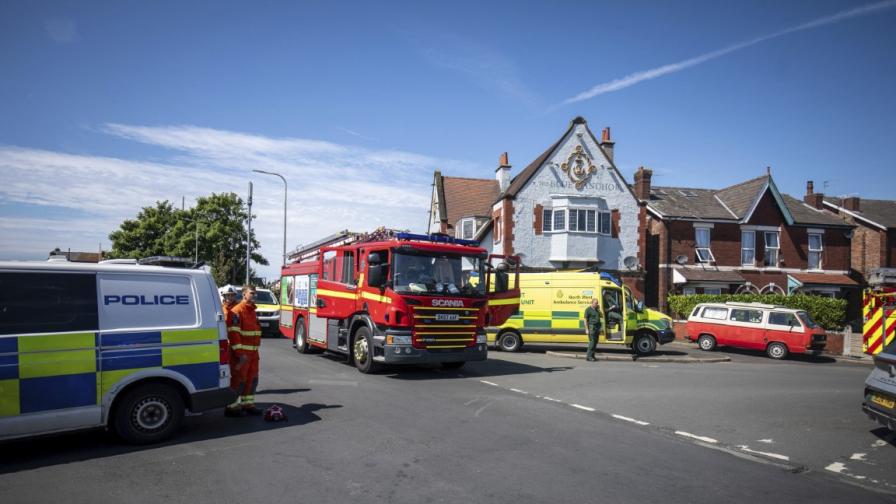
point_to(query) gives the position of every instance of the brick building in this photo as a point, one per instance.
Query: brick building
(569, 209)
(748, 237)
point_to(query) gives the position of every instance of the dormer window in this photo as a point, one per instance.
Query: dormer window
(702, 243)
(465, 229)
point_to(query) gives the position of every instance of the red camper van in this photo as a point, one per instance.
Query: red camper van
(776, 330)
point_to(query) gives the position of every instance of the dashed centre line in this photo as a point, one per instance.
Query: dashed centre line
(586, 408)
(489, 383)
(694, 436)
(518, 391)
(632, 420)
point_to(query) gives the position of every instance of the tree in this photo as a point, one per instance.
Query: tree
(222, 235)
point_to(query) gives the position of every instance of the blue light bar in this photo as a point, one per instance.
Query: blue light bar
(606, 276)
(437, 238)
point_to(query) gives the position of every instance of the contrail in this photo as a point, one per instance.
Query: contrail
(632, 79)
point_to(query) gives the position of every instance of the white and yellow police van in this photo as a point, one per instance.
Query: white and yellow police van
(122, 346)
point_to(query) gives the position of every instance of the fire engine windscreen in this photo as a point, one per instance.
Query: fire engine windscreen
(438, 274)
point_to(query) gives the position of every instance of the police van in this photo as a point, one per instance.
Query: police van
(122, 346)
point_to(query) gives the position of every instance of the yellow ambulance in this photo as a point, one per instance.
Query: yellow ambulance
(552, 308)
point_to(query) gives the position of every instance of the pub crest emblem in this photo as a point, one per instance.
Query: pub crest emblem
(578, 167)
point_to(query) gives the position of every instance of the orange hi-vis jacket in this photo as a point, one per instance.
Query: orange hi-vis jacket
(245, 324)
(233, 330)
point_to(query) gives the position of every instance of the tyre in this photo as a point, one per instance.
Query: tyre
(644, 344)
(362, 351)
(777, 350)
(453, 365)
(148, 413)
(706, 343)
(510, 341)
(301, 339)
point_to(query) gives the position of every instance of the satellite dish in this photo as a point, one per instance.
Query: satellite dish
(682, 259)
(630, 262)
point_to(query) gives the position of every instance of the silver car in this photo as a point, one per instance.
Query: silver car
(880, 388)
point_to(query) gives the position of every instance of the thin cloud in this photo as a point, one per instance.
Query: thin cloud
(635, 78)
(355, 133)
(62, 31)
(331, 187)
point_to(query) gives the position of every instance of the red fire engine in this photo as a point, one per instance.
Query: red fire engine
(398, 298)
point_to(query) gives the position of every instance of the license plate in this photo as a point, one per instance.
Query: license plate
(264, 324)
(447, 317)
(883, 401)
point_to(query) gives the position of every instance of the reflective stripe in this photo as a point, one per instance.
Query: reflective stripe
(189, 354)
(189, 335)
(500, 302)
(245, 347)
(233, 329)
(336, 294)
(249, 333)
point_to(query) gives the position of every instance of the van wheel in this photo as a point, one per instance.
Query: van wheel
(301, 340)
(148, 413)
(706, 343)
(362, 351)
(644, 344)
(777, 350)
(510, 341)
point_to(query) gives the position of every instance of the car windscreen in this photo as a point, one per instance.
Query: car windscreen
(804, 316)
(264, 297)
(438, 274)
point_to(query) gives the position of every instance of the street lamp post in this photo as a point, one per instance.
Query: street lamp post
(284, 208)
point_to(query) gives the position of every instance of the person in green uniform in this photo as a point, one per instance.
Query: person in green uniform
(592, 325)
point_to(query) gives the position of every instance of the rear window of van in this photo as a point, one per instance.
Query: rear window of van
(715, 312)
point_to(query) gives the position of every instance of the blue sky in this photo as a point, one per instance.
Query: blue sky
(111, 106)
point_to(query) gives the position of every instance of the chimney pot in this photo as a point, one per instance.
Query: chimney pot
(606, 143)
(810, 187)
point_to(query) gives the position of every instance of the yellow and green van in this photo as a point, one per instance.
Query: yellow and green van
(552, 308)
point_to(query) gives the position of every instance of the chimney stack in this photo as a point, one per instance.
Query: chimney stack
(606, 143)
(852, 203)
(642, 183)
(812, 198)
(502, 173)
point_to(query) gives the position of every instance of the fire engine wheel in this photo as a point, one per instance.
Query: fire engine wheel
(510, 341)
(301, 342)
(777, 350)
(362, 351)
(148, 413)
(644, 344)
(706, 343)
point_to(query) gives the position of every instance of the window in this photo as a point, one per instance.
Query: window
(347, 274)
(704, 254)
(749, 316)
(47, 302)
(329, 266)
(815, 249)
(465, 229)
(547, 220)
(559, 220)
(581, 220)
(688, 291)
(712, 290)
(715, 312)
(748, 248)
(783, 319)
(603, 224)
(497, 230)
(772, 245)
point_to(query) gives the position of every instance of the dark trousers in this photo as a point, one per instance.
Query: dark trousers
(593, 334)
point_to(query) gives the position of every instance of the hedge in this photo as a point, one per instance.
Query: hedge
(828, 312)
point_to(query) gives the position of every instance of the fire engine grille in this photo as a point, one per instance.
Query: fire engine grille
(444, 328)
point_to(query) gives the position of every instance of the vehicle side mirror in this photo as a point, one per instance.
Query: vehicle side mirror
(377, 275)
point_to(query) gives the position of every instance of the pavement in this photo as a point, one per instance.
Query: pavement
(524, 427)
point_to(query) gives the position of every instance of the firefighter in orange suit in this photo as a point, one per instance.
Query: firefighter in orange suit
(245, 325)
(228, 303)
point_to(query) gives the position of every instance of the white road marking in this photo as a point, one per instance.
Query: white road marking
(694, 436)
(489, 383)
(586, 408)
(546, 398)
(858, 456)
(879, 442)
(518, 391)
(766, 441)
(632, 420)
(836, 467)
(767, 454)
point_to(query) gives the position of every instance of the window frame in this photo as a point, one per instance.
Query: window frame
(707, 250)
(609, 223)
(819, 252)
(547, 220)
(744, 248)
(767, 248)
(578, 211)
